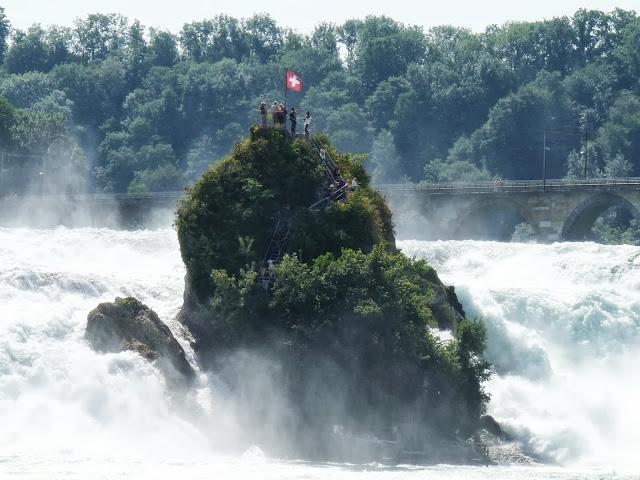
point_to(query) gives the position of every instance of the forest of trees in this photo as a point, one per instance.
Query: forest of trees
(130, 108)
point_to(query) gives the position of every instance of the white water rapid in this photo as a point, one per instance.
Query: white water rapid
(564, 336)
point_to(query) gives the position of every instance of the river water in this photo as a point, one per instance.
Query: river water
(564, 337)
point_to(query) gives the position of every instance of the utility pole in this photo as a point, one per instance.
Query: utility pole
(2, 161)
(585, 119)
(43, 172)
(544, 159)
(586, 148)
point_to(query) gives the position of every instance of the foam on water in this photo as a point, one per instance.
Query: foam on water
(57, 396)
(563, 335)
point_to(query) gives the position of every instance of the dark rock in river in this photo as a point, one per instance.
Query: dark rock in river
(128, 324)
(488, 423)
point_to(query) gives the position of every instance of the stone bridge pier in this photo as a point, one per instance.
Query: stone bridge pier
(561, 211)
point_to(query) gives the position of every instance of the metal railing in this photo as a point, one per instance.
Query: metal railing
(514, 186)
(95, 197)
(505, 186)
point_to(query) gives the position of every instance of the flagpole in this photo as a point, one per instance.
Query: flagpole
(285, 86)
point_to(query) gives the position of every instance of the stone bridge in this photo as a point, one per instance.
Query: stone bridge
(556, 209)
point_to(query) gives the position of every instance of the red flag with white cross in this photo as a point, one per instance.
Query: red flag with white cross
(294, 82)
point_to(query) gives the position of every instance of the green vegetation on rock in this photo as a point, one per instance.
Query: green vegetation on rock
(228, 217)
(347, 315)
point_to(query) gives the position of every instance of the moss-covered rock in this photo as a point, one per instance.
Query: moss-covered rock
(128, 324)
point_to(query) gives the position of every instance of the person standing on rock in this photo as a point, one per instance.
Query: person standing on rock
(263, 114)
(293, 118)
(307, 124)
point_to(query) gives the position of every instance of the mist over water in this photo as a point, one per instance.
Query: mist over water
(563, 336)
(57, 396)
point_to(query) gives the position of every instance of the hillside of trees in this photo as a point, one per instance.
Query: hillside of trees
(131, 108)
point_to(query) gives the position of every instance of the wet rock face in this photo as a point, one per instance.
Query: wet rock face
(488, 423)
(128, 324)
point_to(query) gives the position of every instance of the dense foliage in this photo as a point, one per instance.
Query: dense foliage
(151, 109)
(347, 316)
(359, 329)
(228, 217)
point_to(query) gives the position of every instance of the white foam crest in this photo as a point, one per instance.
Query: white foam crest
(57, 396)
(564, 335)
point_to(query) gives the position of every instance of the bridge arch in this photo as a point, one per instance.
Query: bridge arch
(581, 220)
(491, 219)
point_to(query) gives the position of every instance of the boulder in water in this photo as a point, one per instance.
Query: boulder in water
(488, 423)
(128, 324)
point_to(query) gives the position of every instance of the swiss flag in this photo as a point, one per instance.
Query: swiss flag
(294, 82)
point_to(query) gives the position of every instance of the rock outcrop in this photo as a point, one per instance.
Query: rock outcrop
(344, 320)
(128, 324)
(488, 423)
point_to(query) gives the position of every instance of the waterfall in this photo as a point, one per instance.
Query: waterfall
(563, 336)
(563, 325)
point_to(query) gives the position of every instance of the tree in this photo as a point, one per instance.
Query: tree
(598, 34)
(28, 52)
(385, 49)
(617, 167)
(97, 35)
(97, 91)
(5, 32)
(162, 179)
(38, 49)
(384, 159)
(511, 142)
(594, 87)
(325, 39)
(163, 48)
(264, 37)
(25, 90)
(585, 163)
(215, 39)
(515, 44)
(7, 117)
(135, 55)
(348, 127)
(59, 44)
(55, 102)
(463, 171)
(628, 55)
(445, 101)
(208, 88)
(34, 131)
(620, 135)
(381, 103)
